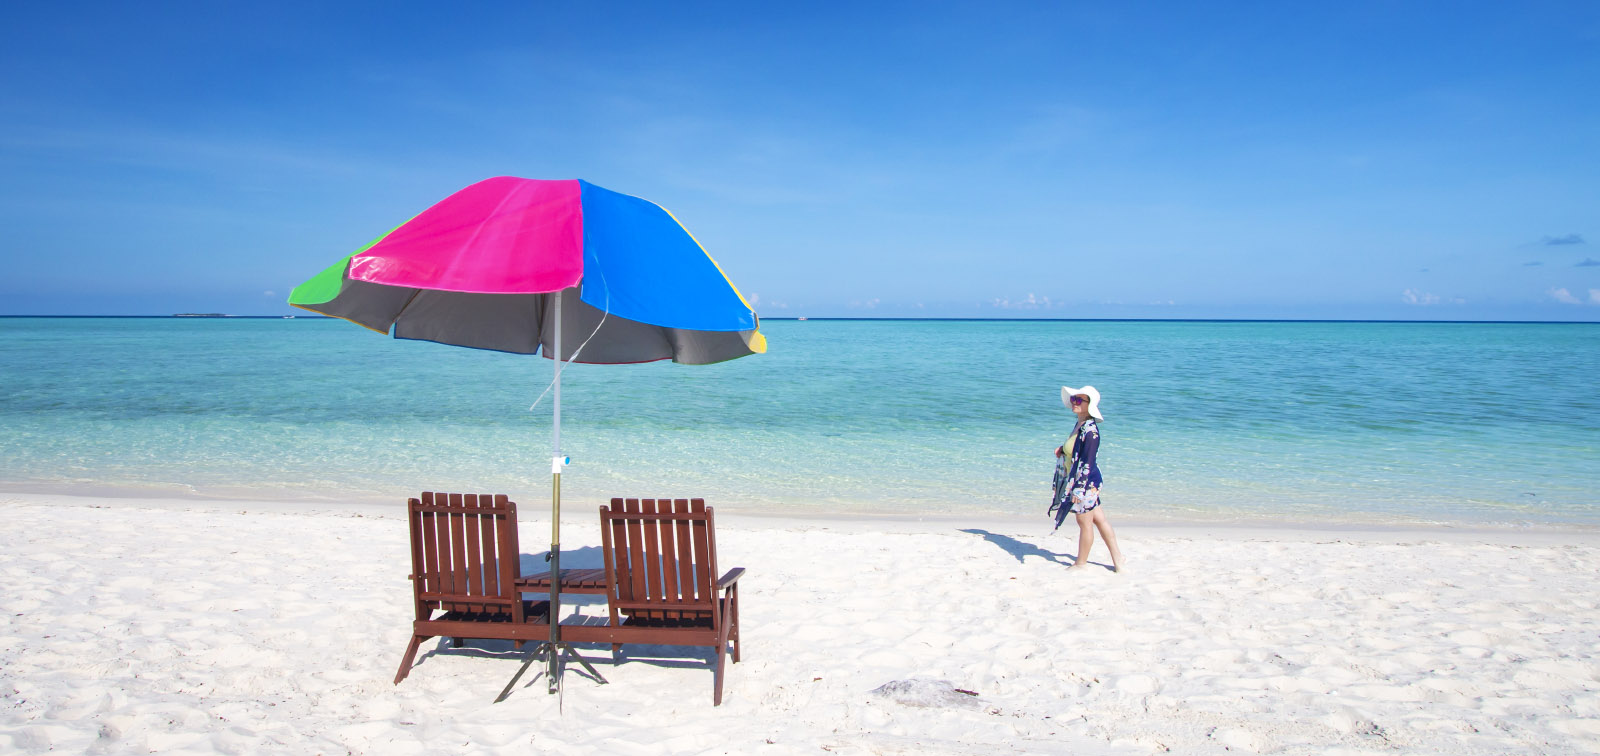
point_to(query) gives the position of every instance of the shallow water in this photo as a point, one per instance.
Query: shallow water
(1438, 422)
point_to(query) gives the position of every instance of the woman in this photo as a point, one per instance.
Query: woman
(1078, 489)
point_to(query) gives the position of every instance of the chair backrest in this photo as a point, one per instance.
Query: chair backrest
(661, 557)
(464, 554)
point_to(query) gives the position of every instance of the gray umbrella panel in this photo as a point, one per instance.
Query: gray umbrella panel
(509, 322)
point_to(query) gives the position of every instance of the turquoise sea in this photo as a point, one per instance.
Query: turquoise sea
(1321, 422)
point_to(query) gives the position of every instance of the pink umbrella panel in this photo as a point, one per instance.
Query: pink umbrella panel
(476, 270)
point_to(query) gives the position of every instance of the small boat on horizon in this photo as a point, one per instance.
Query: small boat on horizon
(802, 317)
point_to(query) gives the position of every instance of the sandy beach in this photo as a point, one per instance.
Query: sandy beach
(134, 625)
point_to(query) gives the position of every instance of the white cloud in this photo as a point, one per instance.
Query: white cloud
(1414, 297)
(869, 304)
(772, 304)
(1594, 296)
(1031, 302)
(1423, 298)
(269, 293)
(1563, 296)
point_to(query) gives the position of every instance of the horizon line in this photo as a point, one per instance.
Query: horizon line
(219, 316)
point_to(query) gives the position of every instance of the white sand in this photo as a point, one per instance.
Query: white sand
(133, 626)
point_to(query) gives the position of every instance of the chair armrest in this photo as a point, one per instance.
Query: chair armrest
(730, 578)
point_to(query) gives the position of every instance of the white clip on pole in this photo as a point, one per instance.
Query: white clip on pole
(556, 463)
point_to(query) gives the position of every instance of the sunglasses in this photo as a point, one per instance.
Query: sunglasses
(1077, 400)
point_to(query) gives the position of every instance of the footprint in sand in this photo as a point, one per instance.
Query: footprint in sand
(1235, 738)
(1135, 685)
(1470, 638)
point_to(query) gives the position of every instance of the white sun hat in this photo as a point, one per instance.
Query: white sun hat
(1067, 392)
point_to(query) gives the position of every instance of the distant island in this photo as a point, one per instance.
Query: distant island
(200, 315)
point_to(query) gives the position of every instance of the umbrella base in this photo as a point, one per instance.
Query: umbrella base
(557, 654)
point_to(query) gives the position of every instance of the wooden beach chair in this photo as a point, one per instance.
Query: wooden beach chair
(464, 568)
(661, 584)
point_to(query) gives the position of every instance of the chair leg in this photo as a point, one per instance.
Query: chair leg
(716, 699)
(456, 642)
(405, 661)
(722, 655)
(734, 633)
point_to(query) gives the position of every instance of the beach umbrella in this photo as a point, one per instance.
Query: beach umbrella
(566, 269)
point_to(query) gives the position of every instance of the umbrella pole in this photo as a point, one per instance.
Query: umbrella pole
(554, 673)
(558, 651)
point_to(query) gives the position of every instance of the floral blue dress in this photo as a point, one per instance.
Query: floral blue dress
(1077, 480)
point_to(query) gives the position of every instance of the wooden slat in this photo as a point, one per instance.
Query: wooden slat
(669, 565)
(492, 554)
(538, 629)
(658, 594)
(669, 636)
(636, 564)
(686, 608)
(480, 601)
(426, 508)
(710, 566)
(430, 544)
(667, 516)
(606, 528)
(414, 525)
(458, 546)
(447, 555)
(702, 554)
(510, 560)
(665, 560)
(441, 545)
(622, 578)
(472, 532)
(490, 625)
(652, 553)
(583, 580)
(639, 555)
(685, 555)
(616, 544)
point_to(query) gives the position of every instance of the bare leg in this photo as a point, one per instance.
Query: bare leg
(1085, 538)
(1110, 537)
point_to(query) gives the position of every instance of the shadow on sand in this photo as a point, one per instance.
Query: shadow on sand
(1022, 550)
(587, 557)
(1019, 549)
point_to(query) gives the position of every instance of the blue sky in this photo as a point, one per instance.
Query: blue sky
(1342, 160)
